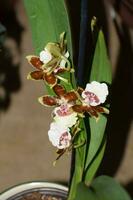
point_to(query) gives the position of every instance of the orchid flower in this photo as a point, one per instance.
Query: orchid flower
(94, 94)
(63, 113)
(59, 136)
(53, 61)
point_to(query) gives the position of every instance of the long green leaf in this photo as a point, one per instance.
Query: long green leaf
(101, 71)
(102, 188)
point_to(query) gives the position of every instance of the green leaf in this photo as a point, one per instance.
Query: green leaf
(101, 68)
(95, 162)
(102, 188)
(97, 130)
(101, 72)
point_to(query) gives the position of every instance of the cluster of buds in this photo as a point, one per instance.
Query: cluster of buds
(69, 106)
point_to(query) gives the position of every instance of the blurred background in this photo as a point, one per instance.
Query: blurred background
(25, 152)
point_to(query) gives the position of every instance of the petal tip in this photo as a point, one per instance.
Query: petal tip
(29, 77)
(28, 57)
(40, 100)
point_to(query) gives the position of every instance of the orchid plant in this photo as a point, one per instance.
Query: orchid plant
(74, 108)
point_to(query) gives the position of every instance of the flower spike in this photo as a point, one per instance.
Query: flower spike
(69, 106)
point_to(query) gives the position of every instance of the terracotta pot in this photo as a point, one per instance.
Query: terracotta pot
(34, 188)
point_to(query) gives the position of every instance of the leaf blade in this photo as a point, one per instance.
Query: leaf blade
(101, 72)
(102, 188)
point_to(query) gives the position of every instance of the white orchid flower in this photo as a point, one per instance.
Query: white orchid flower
(59, 136)
(95, 93)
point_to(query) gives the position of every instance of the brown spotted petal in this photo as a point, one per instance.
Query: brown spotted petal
(35, 61)
(60, 70)
(48, 100)
(95, 110)
(50, 79)
(87, 109)
(92, 111)
(59, 90)
(35, 75)
(101, 109)
(70, 96)
(78, 108)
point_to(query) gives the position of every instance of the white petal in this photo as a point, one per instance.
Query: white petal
(63, 62)
(45, 56)
(66, 121)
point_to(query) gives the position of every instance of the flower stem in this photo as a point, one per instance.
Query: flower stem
(82, 41)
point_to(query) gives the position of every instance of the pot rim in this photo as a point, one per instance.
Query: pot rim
(30, 185)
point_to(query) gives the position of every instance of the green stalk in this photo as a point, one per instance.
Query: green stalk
(80, 153)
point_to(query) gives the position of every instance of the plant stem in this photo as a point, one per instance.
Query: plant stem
(82, 41)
